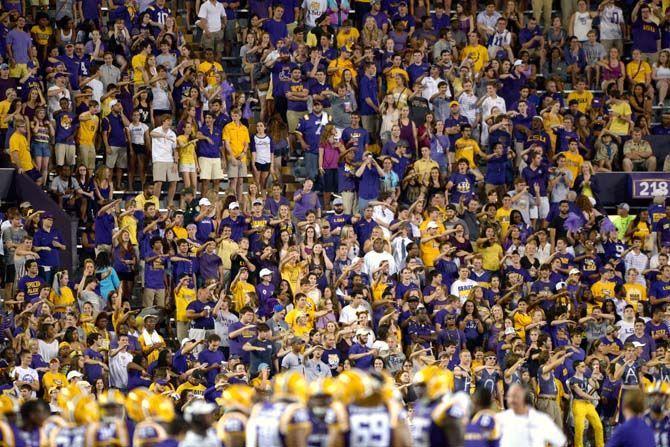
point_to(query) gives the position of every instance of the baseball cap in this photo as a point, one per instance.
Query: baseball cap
(265, 272)
(510, 331)
(575, 272)
(518, 62)
(4, 67)
(186, 340)
(113, 102)
(610, 329)
(233, 205)
(257, 202)
(263, 366)
(623, 206)
(454, 103)
(637, 344)
(47, 216)
(297, 340)
(432, 224)
(204, 202)
(337, 201)
(413, 298)
(277, 308)
(360, 332)
(74, 374)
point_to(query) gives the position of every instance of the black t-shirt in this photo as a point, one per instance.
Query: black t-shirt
(258, 357)
(418, 109)
(558, 223)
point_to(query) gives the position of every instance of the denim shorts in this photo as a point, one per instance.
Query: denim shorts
(40, 149)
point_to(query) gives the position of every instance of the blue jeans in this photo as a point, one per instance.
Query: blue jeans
(311, 165)
(40, 149)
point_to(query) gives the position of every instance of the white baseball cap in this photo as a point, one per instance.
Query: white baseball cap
(204, 202)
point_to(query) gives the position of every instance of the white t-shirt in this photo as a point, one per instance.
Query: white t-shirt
(610, 23)
(313, 10)
(28, 375)
(625, 330)
(534, 429)
(348, 313)
(118, 369)
(137, 132)
(47, 351)
(162, 148)
(98, 89)
(462, 288)
(262, 146)
(53, 102)
(212, 12)
(430, 87)
(468, 106)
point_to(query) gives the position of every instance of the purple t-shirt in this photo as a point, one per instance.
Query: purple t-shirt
(66, 127)
(20, 41)
(154, 272)
(209, 265)
(239, 341)
(276, 30)
(208, 358)
(308, 201)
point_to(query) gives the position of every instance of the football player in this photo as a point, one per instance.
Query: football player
(284, 421)
(236, 401)
(657, 416)
(111, 430)
(151, 412)
(77, 412)
(367, 414)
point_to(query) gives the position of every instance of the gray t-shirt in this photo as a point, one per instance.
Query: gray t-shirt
(293, 362)
(14, 235)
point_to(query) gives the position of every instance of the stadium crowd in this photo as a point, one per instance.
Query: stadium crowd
(375, 220)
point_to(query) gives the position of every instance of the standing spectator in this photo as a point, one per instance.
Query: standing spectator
(236, 140)
(212, 22)
(164, 158)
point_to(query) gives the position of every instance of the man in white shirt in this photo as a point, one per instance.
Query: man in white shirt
(430, 83)
(634, 258)
(119, 359)
(488, 102)
(212, 21)
(312, 10)
(375, 257)
(462, 286)
(23, 374)
(349, 313)
(523, 425)
(486, 20)
(164, 158)
(611, 25)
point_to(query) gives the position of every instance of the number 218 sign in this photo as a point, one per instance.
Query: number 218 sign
(648, 185)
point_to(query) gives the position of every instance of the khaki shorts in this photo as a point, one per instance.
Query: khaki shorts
(151, 297)
(237, 170)
(87, 156)
(18, 71)
(164, 171)
(292, 119)
(118, 158)
(210, 168)
(213, 41)
(65, 153)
